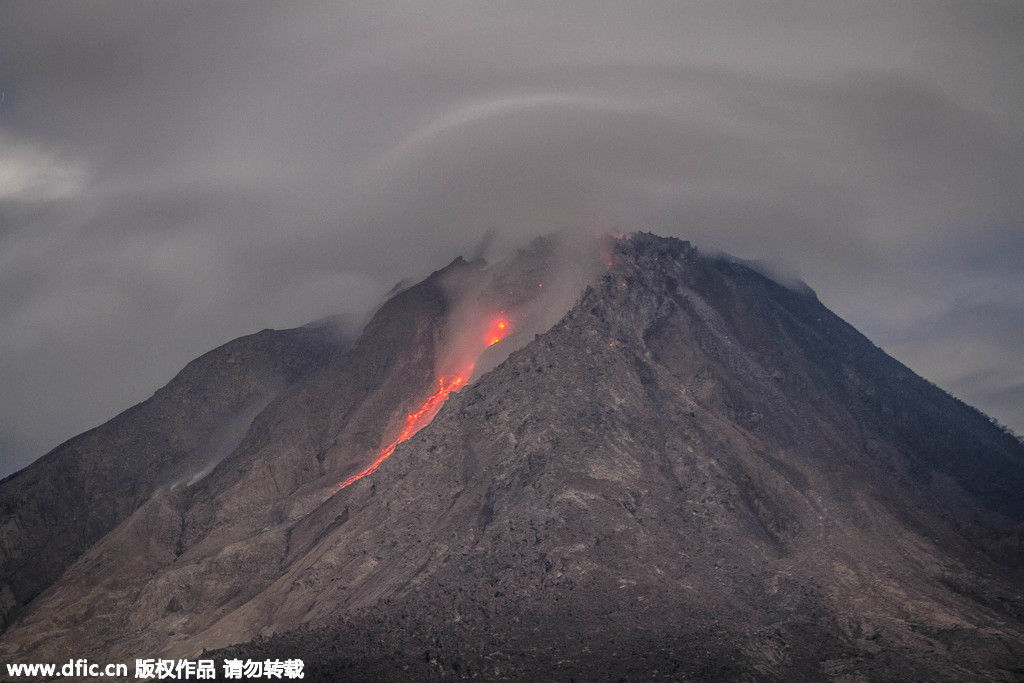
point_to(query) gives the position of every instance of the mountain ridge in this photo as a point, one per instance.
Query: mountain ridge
(57, 506)
(692, 453)
(814, 639)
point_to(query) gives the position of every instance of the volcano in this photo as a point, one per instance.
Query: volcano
(652, 464)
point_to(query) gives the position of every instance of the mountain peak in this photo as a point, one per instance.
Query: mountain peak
(670, 462)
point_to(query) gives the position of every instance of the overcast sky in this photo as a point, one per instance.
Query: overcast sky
(175, 175)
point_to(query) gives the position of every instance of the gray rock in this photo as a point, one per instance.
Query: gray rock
(696, 472)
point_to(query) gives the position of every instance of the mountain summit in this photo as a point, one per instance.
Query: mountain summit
(670, 465)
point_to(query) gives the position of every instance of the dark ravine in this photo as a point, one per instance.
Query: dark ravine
(695, 473)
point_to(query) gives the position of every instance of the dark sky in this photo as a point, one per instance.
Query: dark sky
(174, 175)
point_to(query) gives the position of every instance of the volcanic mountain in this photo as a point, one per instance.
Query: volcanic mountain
(681, 468)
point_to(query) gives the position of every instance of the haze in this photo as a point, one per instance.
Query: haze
(174, 175)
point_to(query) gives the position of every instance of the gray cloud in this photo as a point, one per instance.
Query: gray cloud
(173, 175)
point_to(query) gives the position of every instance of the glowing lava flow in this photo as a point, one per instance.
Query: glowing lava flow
(499, 328)
(414, 422)
(419, 419)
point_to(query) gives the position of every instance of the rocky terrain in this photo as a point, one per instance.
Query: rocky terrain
(51, 511)
(695, 472)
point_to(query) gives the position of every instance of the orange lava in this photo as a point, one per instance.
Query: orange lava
(499, 328)
(415, 421)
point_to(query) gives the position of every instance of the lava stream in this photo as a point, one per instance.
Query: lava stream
(499, 328)
(419, 419)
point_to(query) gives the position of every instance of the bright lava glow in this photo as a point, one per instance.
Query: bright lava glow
(415, 421)
(499, 328)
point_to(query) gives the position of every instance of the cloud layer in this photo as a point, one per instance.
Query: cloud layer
(173, 175)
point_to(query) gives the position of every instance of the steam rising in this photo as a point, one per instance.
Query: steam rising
(528, 290)
(487, 306)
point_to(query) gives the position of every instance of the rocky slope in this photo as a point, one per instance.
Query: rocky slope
(217, 534)
(694, 472)
(57, 507)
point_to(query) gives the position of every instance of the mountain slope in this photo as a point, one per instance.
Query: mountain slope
(695, 472)
(216, 536)
(58, 506)
(664, 483)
